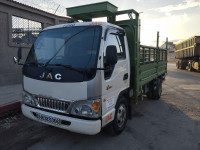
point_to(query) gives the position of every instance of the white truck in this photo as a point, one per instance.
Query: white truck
(83, 76)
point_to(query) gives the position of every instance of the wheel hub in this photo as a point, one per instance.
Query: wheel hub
(121, 115)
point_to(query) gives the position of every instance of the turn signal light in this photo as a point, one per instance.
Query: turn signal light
(96, 106)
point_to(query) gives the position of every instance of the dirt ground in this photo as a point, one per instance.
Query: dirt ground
(171, 123)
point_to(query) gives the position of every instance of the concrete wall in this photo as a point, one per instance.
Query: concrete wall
(9, 72)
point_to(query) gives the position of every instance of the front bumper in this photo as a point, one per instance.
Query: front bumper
(89, 127)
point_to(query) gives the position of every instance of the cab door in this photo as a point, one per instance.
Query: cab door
(115, 78)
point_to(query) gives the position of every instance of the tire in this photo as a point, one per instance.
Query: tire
(190, 69)
(177, 65)
(121, 117)
(155, 89)
(150, 93)
(158, 90)
(190, 66)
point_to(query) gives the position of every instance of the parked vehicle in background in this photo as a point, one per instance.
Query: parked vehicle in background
(83, 76)
(188, 54)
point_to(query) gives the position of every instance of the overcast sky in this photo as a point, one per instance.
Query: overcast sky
(175, 19)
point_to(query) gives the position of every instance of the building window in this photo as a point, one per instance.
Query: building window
(24, 31)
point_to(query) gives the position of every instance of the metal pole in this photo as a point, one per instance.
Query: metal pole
(158, 39)
(166, 43)
(157, 49)
(166, 48)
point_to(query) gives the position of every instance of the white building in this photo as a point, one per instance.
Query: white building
(170, 52)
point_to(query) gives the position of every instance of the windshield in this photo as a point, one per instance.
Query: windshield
(73, 46)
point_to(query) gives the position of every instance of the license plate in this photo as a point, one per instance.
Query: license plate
(48, 119)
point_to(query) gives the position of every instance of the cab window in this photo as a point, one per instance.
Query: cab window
(118, 41)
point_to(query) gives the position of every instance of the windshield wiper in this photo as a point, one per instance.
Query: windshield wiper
(34, 63)
(68, 67)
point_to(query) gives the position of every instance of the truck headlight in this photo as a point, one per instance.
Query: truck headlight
(28, 99)
(87, 108)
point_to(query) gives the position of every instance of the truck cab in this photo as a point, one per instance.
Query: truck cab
(75, 73)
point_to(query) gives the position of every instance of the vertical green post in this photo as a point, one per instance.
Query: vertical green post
(137, 61)
(135, 44)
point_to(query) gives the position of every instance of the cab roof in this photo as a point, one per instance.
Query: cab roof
(103, 24)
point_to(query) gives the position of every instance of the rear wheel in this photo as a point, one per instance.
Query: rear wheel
(190, 66)
(190, 69)
(155, 89)
(177, 65)
(121, 116)
(150, 92)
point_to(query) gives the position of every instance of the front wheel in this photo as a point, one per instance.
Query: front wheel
(121, 116)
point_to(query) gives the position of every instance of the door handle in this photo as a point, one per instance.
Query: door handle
(125, 76)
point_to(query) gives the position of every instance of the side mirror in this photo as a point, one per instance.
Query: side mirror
(119, 33)
(19, 56)
(15, 60)
(111, 55)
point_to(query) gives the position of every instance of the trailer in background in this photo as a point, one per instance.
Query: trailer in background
(188, 54)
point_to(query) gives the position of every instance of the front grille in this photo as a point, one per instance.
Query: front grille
(52, 104)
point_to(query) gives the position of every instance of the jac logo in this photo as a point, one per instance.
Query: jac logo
(49, 76)
(109, 117)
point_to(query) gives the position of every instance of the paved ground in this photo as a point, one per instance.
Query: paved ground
(10, 93)
(172, 123)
